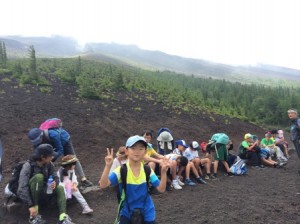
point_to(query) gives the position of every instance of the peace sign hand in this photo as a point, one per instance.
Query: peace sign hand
(110, 156)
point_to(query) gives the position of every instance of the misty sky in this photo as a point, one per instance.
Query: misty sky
(226, 31)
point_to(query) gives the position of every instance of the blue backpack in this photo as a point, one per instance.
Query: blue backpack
(239, 168)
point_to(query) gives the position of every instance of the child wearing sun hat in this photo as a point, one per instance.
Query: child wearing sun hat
(66, 174)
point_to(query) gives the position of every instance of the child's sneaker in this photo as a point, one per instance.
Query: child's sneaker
(169, 187)
(207, 177)
(87, 210)
(228, 174)
(189, 182)
(66, 220)
(214, 176)
(176, 186)
(37, 220)
(86, 183)
(180, 182)
(200, 180)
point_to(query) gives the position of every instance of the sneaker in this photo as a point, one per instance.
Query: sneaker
(176, 186)
(214, 176)
(262, 166)
(228, 174)
(200, 180)
(86, 183)
(256, 167)
(87, 210)
(169, 187)
(189, 182)
(37, 220)
(180, 182)
(153, 191)
(207, 177)
(67, 220)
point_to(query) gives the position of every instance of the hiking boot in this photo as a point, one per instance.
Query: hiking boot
(37, 220)
(214, 176)
(66, 220)
(86, 183)
(180, 182)
(200, 180)
(176, 186)
(87, 210)
(189, 182)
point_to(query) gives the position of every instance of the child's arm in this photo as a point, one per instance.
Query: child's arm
(104, 181)
(151, 159)
(163, 175)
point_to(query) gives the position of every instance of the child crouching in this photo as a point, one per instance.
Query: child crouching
(68, 179)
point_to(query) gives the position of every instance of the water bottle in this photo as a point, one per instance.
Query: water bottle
(49, 188)
(68, 186)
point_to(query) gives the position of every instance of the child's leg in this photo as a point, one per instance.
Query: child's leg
(216, 163)
(195, 172)
(197, 163)
(173, 167)
(226, 166)
(81, 200)
(207, 163)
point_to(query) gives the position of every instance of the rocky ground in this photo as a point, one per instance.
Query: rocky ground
(263, 196)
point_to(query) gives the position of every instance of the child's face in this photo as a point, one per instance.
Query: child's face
(147, 138)
(181, 148)
(136, 152)
(46, 160)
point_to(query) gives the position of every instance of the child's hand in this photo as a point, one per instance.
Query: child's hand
(164, 163)
(110, 156)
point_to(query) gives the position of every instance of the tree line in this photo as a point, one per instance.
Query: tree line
(98, 80)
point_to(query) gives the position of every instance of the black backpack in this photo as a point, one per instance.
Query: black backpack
(13, 182)
(122, 196)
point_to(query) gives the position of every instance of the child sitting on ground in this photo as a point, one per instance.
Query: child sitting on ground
(195, 163)
(121, 158)
(66, 175)
(176, 163)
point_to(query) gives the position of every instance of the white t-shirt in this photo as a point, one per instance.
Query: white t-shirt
(171, 156)
(191, 154)
(117, 163)
(176, 151)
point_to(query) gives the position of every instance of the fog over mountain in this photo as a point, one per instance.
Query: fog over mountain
(58, 46)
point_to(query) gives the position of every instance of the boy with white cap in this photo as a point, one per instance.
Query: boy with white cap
(136, 195)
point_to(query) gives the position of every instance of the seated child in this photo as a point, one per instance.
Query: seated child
(152, 157)
(195, 163)
(281, 143)
(266, 158)
(121, 158)
(66, 173)
(176, 163)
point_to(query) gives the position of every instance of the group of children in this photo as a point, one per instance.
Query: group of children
(172, 166)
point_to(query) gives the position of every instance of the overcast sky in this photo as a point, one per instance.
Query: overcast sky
(227, 31)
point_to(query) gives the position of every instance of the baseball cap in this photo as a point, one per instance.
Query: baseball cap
(134, 139)
(45, 150)
(181, 142)
(35, 135)
(248, 135)
(195, 145)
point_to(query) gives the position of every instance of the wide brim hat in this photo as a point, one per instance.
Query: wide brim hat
(68, 159)
(165, 137)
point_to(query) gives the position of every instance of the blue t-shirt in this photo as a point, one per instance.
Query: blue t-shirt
(136, 191)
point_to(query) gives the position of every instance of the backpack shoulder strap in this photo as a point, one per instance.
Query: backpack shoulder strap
(147, 170)
(123, 173)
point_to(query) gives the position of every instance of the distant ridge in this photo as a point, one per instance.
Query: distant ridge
(58, 46)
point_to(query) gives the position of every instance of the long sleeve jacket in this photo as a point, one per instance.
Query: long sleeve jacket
(30, 169)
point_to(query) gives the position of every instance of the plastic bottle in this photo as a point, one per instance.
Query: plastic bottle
(49, 188)
(68, 186)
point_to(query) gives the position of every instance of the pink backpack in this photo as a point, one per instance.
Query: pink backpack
(51, 123)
